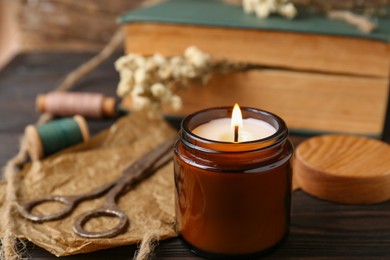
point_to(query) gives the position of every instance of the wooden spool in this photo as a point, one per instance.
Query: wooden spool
(107, 109)
(35, 147)
(344, 168)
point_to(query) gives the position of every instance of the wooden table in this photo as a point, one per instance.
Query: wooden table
(319, 229)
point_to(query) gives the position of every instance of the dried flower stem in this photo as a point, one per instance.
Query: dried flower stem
(154, 81)
(354, 12)
(363, 7)
(361, 22)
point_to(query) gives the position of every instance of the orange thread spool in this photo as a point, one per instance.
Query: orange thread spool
(92, 105)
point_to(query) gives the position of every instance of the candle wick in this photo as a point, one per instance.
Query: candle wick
(236, 133)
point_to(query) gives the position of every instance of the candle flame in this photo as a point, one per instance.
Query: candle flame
(236, 117)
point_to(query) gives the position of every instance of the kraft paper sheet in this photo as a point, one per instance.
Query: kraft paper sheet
(149, 206)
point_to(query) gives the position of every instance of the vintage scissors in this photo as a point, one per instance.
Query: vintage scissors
(139, 170)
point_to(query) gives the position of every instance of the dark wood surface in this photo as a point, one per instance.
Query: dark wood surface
(319, 229)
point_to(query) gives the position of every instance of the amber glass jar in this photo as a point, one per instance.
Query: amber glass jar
(232, 199)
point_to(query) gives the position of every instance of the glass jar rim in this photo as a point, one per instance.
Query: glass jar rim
(193, 120)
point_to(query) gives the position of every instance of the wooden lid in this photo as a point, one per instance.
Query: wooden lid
(34, 143)
(344, 168)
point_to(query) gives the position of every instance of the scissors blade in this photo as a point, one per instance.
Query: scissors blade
(138, 171)
(150, 160)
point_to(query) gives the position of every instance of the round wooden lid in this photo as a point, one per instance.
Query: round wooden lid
(344, 168)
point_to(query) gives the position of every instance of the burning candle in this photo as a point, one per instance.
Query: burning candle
(233, 182)
(230, 129)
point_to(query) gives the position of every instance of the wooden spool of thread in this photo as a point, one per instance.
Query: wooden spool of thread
(344, 168)
(54, 136)
(92, 105)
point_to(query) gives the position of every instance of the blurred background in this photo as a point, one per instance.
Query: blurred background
(49, 25)
(53, 25)
(8, 31)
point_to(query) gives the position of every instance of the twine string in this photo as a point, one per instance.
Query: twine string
(9, 251)
(148, 244)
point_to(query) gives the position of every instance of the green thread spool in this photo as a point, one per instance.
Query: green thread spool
(55, 136)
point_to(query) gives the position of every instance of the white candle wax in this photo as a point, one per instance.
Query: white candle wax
(220, 130)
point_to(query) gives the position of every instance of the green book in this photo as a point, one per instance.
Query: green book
(219, 14)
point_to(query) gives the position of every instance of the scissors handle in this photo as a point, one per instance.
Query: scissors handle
(69, 203)
(111, 211)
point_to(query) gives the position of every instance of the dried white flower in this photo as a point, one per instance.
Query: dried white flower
(158, 90)
(126, 75)
(196, 57)
(176, 61)
(176, 72)
(121, 63)
(150, 65)
(190, 51)
(153, 81)
(137, 91)
(264, 8)
(139, 61)
(140, 76)
(288, 10)
(164, 72)
(272, 4)
(139, 102)
(176, 103)
(262, 11)
(187, 71)
(122, 89)
(159, 60)
(248, 6)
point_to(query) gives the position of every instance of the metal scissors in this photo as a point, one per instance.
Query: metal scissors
(139, 170)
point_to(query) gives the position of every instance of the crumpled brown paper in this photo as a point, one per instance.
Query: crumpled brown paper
(149, 206)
